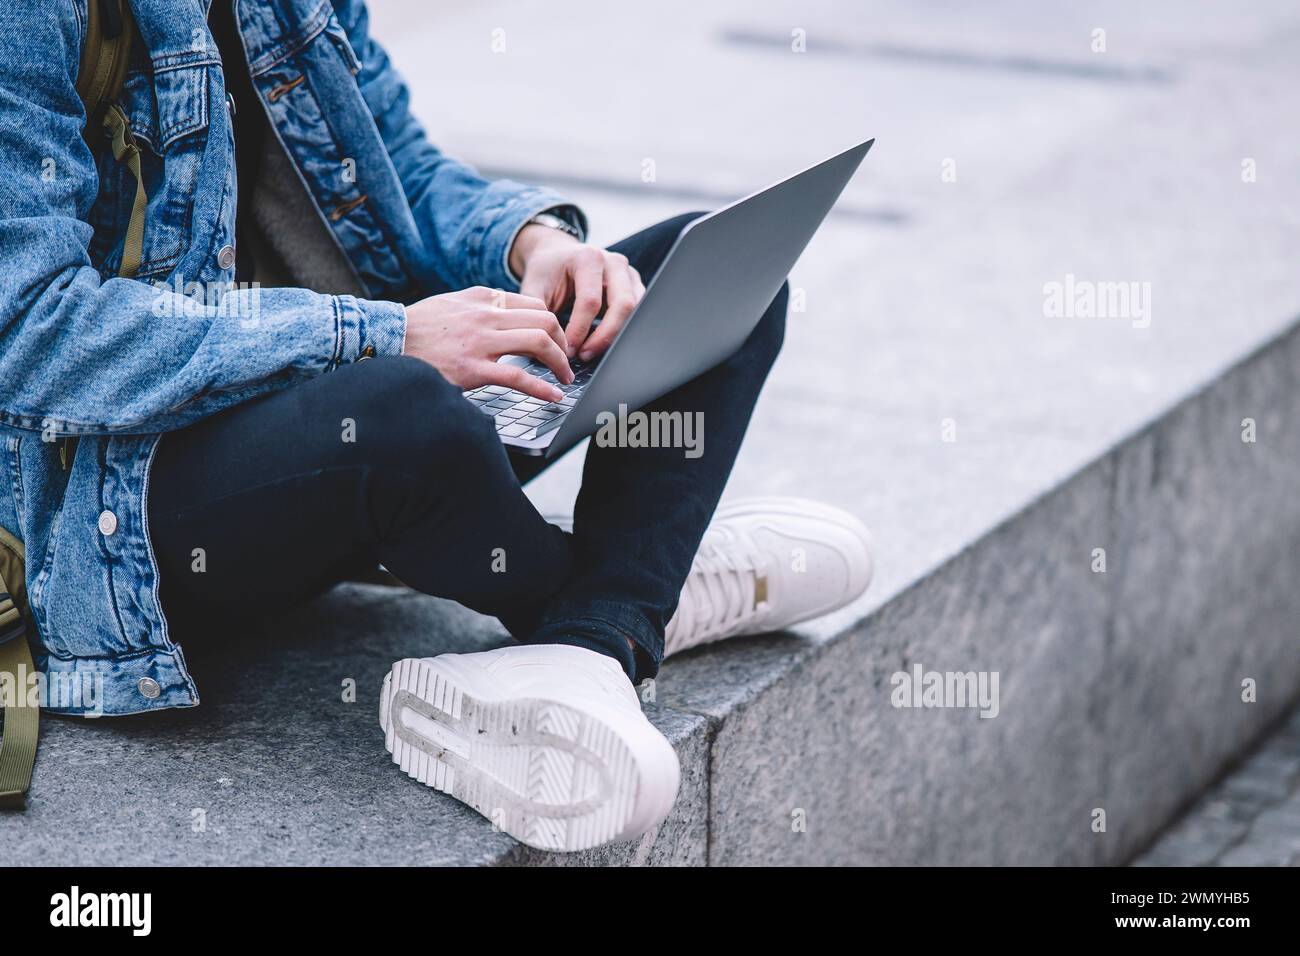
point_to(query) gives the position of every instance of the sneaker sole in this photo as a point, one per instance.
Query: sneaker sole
(550, 775)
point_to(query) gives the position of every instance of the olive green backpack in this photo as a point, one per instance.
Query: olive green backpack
(18, 744)
(109, 32)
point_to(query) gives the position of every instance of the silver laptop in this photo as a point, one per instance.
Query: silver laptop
(717, 280)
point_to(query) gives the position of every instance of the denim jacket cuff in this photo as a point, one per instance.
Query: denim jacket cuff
(367, 327)
(494, 251)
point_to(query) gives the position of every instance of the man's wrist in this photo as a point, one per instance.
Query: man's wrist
(529, 239)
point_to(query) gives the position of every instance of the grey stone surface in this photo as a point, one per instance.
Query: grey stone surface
(922, 301)
(888, 785)
(1120, 691)
(1204, 566)
(275, 767)
(1251, 817)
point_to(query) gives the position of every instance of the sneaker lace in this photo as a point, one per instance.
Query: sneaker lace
(721, 594)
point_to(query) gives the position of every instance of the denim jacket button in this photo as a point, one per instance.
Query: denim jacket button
(149, 688)
(107, 523)
(226, 257)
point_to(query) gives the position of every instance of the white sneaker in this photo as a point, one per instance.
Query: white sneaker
(547, 741)
(766, 564)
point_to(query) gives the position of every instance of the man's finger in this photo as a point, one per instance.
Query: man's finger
(536, 344)
(512, 376)
(620, 299)
(506, 319)
(588, 271)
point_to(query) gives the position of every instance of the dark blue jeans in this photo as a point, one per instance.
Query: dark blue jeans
(284, 505)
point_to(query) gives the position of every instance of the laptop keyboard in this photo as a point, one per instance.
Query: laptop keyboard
(522, 416)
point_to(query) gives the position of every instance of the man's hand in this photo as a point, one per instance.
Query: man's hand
(462, 334)
(557, 269)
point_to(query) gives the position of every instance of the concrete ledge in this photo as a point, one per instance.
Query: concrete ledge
(1119, 691)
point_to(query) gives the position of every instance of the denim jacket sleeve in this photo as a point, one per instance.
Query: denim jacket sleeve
(83, 355)
(468, 223)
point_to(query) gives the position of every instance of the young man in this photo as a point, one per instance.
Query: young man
(239, 449)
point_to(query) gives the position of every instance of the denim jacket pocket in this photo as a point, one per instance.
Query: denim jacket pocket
(74, 585)
(167, 109)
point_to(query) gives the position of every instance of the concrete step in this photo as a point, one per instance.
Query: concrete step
(1118, 690)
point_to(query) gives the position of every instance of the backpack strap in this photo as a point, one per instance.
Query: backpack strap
(104, 58)
(21, 723)
(126, 151)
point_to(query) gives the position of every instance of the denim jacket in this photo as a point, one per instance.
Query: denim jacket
(118, 362)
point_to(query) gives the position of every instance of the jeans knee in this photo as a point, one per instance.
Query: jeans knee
(420, 423)
(648, 248)
(395, 378)
(680, 222)
(769, 335)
